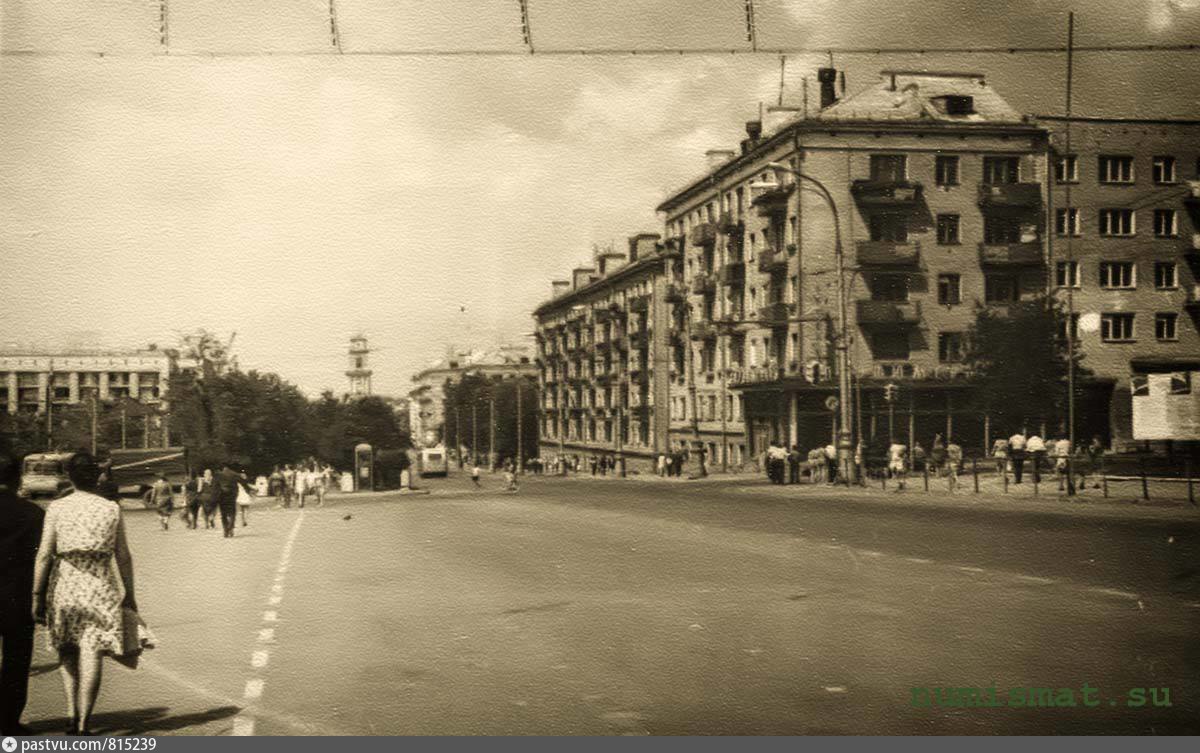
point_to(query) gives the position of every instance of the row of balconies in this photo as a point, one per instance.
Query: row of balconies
(899, 194)
(896, 254)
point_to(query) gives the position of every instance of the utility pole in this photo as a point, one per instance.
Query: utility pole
(50, 407)
(1070, 256)
(695, 406)
(146, 430)
(457, 433)
(124, 416)
(474, 431)
(93, 405)
(846, 469)
(492, 428)
(520, 434)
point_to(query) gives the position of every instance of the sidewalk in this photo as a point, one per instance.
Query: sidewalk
(1124, 500)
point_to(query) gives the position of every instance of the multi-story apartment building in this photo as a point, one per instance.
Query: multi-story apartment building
(31, 379)
(603, 341)
(1126, 246)
(426, 401)
(933, 185)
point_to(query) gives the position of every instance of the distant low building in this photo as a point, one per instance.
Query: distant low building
(426, 407)
(31, 379)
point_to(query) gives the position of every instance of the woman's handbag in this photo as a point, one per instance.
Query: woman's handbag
(136, 637)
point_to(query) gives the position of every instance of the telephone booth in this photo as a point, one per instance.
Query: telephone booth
(364, 468)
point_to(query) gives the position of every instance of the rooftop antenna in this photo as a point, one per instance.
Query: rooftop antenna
(782, 70)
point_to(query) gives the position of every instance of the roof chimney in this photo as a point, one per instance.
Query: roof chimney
(642, 245)
(827, 77)
(754, 129)
(559, 287)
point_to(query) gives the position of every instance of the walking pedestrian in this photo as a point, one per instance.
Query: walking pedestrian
(1000, 455)
(244, 498)
(82, 586)
(793, 461)
(210, 497)
(1035, 450)
(954, 457)
(275, 483)
(289, 485)
(937, 455)
(831, 464)
(191, 500)
(816, 465)
(20, 533)
(475, 475)
(510, 477)
(162, 500)
(228, 483)
(1016, 450)
(916, 458)
(898, 464)
(1062, 465)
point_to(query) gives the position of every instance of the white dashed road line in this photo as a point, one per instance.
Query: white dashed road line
(243, 723)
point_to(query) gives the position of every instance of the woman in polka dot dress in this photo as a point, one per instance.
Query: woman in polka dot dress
(83, 578)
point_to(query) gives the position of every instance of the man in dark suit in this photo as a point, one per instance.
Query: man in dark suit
(228, 482)
(20, 533)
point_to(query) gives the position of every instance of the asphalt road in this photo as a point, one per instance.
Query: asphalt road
(603, 607)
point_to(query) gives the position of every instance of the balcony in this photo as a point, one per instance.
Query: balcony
(753, 375)
(886, 194)
(1192, 197)
(887, 254)
(1010, 196)
(733, 273)
(674, 293)
(1011, 254)
(772, 260)
(774, 315)
(728, 224)
(1192, 302)
(703, 283)
(703, 330)
(772, 200)
(704, 234)
(888, 313)
(639, 305)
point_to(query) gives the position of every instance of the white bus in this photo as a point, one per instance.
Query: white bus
(434, 461)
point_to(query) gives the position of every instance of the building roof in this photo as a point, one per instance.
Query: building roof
(608, 280)
(499, 356)
(901, 99)
(918, 96)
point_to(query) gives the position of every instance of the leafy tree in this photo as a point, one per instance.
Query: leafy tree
(1018, 356)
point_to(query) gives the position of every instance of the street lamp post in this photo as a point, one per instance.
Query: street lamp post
(845, 447)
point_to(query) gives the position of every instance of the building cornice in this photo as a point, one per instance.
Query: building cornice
(630, 270)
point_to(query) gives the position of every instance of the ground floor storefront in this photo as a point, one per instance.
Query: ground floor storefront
(919, 412)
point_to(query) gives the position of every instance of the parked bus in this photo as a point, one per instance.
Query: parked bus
(434, 461)
(135, 471)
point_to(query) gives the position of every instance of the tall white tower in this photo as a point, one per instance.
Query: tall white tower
(359, 372)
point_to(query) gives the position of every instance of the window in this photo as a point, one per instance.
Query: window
(889, 228)
(1165, 223)
(888, 167)
(947, 171)
(1139, 385)
(1166, 275)
(1069, 327)
(950, 347)
(1116, 222)
(1000, 289)
(1116, 169)
(1066, 169)
(947, 229)
(1117, 275)
(1164, 169)
(999, 230)
(1181, 383)
(949, 289)
(1066, 274)
(1164, 326)
(1001, 170)
(1116, 327)
(1067, 220)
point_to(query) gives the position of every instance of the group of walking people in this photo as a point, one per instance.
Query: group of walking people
(226, 492)
(306, 480)
(68, 568)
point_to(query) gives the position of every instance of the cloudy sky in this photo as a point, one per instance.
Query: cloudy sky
(298, 199)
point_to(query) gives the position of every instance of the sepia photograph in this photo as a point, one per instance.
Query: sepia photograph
(598, 368)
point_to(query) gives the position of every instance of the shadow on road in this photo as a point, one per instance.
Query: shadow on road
(149, 720)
